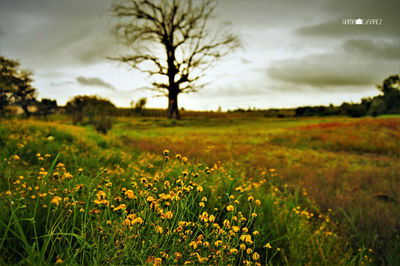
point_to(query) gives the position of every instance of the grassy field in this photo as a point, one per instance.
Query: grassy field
(255, 190)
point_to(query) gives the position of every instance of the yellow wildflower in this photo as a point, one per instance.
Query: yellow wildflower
(227, 223)
(130, 194)
(56, 200)
(138, 221)
(256, 256)
(169, 215)
(217, 243)
(157, 261)
(150, 199)
(101, 195)
(233, 251)
(211, 218)
(193, 245)
(159, 229)
(230, 208)
(236, 228)
(120, 207)
(178, 255)
(246, 238)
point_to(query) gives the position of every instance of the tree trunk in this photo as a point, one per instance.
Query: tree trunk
(173, 111)
(25, 108)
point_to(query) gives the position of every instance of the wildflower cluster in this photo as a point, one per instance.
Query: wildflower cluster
(106, 205)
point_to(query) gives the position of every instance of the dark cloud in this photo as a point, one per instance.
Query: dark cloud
(51, 34)
(94, 82)
(330, 70)
(373, 49)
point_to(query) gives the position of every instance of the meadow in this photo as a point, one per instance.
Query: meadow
(225, 190)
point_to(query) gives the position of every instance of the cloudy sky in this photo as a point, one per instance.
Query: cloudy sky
(293, 52)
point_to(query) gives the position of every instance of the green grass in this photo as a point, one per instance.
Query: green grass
(280, 162)
(344, 163)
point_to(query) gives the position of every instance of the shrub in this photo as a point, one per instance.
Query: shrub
(377, 107)
(91, 110)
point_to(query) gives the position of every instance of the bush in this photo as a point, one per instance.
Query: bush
(354, 109)
(91, 110)
(378, 107)
(46, 107)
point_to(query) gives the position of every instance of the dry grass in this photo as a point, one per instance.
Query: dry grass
(351, 165)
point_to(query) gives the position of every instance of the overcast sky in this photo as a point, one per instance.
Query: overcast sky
(294, 52)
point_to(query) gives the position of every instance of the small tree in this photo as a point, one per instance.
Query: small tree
(25, 94)
(5, 100)
(171, 42)
(47, 106)
(391, 94)
(91, 110)
(8, 72)
(140, 104)
(377, 107)
(16, 86)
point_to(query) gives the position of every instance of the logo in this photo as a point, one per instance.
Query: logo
(361, 21)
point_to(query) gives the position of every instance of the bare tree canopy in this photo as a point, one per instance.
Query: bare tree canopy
(172, 42)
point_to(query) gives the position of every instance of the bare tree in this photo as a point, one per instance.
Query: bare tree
(172, 42)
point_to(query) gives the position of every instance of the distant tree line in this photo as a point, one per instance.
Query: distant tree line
(386, 103)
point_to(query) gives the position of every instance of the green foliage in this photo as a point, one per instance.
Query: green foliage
(377, 107)
(91, 110)
(388, 103)
(140, 104)
(15, 86)
(354, 109)
(391, 94)
(46, 107)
